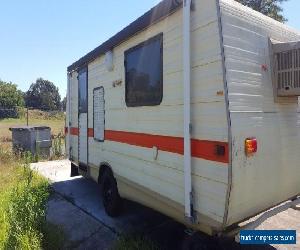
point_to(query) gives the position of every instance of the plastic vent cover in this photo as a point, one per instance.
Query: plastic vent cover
(287, 68)
(99, 114)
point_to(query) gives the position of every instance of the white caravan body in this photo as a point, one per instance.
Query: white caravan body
(113, 121)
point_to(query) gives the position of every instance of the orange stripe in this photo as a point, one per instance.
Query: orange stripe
(74, 131)
(90, 132)
(164, 143)
(208, 150)
(200, 148)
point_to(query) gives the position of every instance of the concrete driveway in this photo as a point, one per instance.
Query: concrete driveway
(77, 207)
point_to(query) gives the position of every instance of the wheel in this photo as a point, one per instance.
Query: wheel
(74, 170)
(112, 201)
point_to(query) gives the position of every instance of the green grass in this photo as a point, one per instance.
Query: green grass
(23, 199)
(57, 126)
(134, 242)
(54, 237)
(55, 120)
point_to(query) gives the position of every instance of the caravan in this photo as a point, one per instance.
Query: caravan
(191, 110)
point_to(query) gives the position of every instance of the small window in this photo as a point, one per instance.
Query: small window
(82, 85)
(144, 73)
(99, 113)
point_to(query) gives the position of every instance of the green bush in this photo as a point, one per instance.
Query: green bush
(23, 200)
(9, 113)
(10, 98)
(21, 112)
(10, 95)
(26, 213)
(57, 146)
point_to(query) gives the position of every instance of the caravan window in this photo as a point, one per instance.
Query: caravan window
(144, 69)
(82, 85)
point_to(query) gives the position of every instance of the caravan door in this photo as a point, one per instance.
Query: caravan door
(82, 119)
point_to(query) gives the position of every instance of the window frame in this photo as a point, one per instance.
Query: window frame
(83, 70)
(97, 88)
(158, 37)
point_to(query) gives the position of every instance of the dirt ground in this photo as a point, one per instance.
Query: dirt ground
(77, 207)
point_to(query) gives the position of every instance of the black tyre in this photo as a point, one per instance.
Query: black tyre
(74, 170)
(112, 201)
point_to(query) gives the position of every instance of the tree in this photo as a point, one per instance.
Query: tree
(10, 95)
(64, 104)
(270, 8)
(43, 95)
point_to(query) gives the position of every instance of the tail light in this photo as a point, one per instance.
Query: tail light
(250, 146)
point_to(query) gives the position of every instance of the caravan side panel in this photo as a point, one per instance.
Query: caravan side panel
(156, 178)
(272, 175)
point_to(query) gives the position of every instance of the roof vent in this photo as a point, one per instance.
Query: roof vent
(109, 63)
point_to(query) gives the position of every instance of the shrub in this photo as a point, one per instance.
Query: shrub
(10, 95)
(10, 98)
(23, 200)
(26, 211)
(21, 112)
(9, 113)
(45, 115)
(57, 146)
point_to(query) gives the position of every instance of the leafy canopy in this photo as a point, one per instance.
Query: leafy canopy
(43, 95)
(64, 103)
(10, 95)
(270, 8)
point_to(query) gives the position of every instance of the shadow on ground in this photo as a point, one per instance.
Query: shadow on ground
(135, 219)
